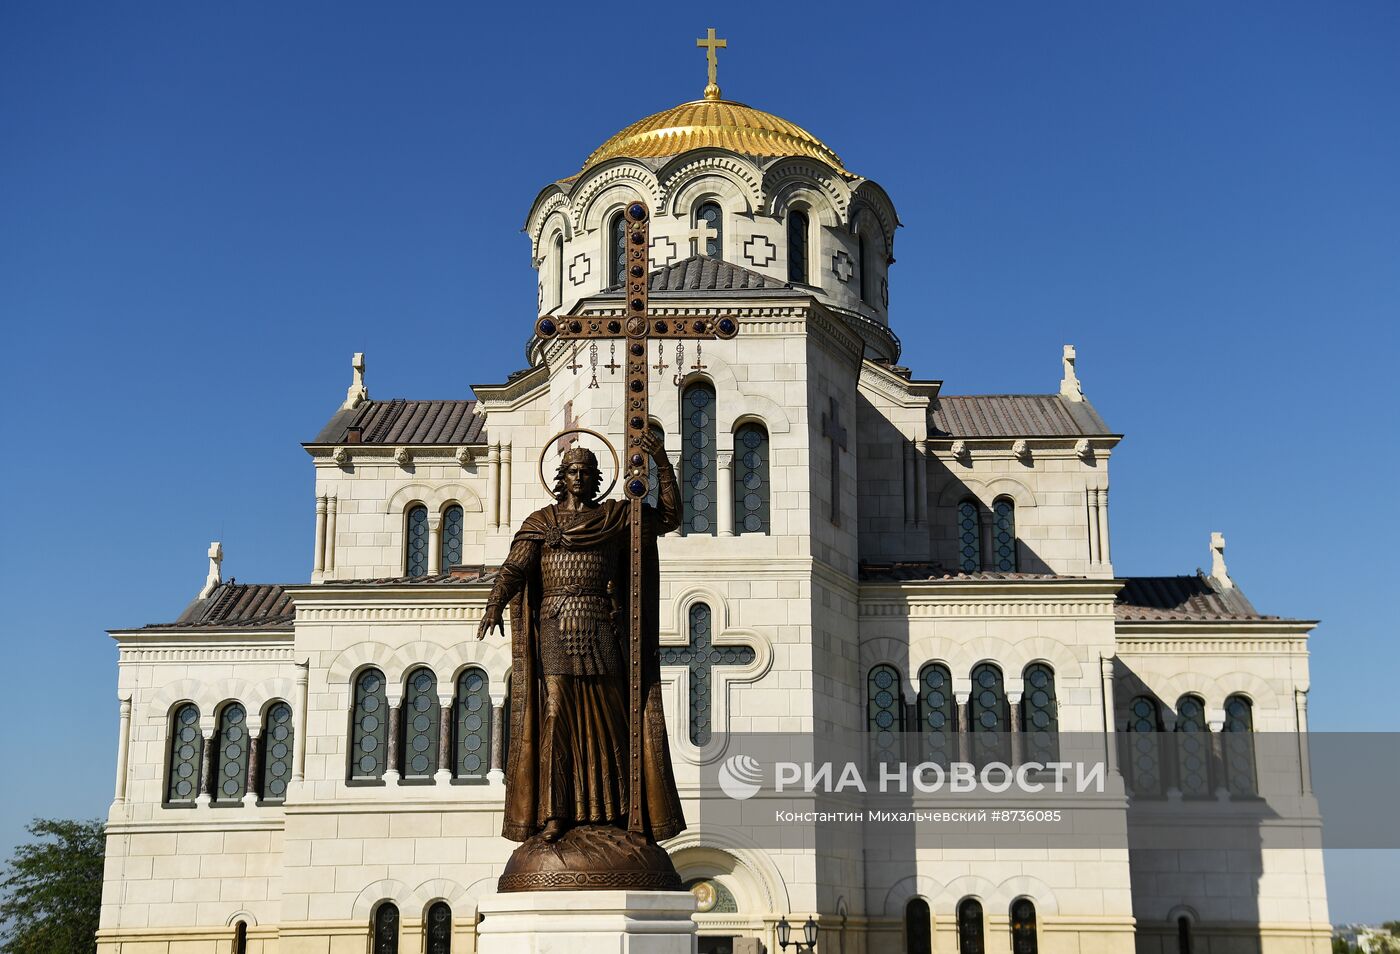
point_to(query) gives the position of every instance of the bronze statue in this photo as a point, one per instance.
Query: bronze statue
(567, 764)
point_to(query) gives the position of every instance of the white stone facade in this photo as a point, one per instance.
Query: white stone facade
(835, 586)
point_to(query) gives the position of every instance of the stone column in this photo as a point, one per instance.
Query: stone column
(391, 768)
(910, 515)
(962, 711)
(493, 486)
(496, 774)
(253, 782)
(123, 746)
(299, 733)
(203, 793)
(1104, 555)
(445, 769)
(505, 485)
(319, 557)
(434, 544)
(1300, 702)
(724, 492)
(1092, 512)
(1017, 743)
(332, 507)
(1109, 744)
(920, 483)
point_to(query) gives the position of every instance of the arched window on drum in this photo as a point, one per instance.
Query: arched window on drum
(1004, 534)
(712, 216)
(416, 541)
(936, 720)
(450, 550)
(421, 718)
(617, 250)
(752, 488)
(698, 458)
(276, 752)
(1040, 720)
(969, 537)
(472, 742)
(231, 755)
(798, 226)
(369, 727)
(884, 713)
(186, 756)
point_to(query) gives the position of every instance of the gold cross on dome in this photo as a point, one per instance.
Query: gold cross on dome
(710, 44)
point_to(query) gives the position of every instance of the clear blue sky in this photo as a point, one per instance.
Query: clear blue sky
(205, 208)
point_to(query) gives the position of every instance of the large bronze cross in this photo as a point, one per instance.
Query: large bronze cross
(638, 327)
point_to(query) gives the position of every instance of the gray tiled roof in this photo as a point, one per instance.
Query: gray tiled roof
(408, 422)
(1182, 598)
(235, 605)
(702, 273)
(1015, 415)
(915, 572)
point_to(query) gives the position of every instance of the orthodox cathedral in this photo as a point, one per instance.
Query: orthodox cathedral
(316, 766)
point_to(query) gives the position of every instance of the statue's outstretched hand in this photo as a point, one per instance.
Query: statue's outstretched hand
(491, 619)
(653, 445)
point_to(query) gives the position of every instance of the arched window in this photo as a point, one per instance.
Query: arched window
(797, 233)
(369, 731)
(558, 271)
(751, 484)
(936, 713)
(1192, 739)
(617, 250)
(186, 755)
(710, 214)
(1239, 746)
(698, 440)
(1145, 757)
(1183, 935)
(969, 538)
(420, 725)
(473, 722)
(867, 271)
(884, 713)
(231, 755)
(970, 940)
(991, 717)
(276, 752)
(416, 542)
(451, 550)
(1023, 938)
(240, 938)
(386, 929)
(439, 928)
(1040, 720)
(1004, 534)
(918, 928)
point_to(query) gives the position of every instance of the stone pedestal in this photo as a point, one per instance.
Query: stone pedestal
(587, 922)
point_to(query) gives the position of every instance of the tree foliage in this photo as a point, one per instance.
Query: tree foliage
(52, 889)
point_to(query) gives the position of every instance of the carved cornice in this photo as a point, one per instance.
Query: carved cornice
(942, 609)
(676, 178)
(600, 178)
(1222, 645)
(539, 217)
(164, 654)
(512, 394)
(787, 172)
(897, 388)
(457, 612)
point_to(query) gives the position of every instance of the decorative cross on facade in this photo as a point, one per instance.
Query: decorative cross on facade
(710, 44)
(701, 657)
(638, 327)
(570, 422)
(832, 429)
(701, 236)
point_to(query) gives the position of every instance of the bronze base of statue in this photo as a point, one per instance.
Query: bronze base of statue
(590, 858)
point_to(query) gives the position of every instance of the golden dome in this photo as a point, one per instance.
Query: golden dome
(717, 123)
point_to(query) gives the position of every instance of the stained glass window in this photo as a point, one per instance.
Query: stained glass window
(1023, 938)
(558, 270)
(369, 734)
(970, 939)
(701, 656)
(231, 773)
(653, 496)
(617, 250)
(420, 725)
(884, 713)
(186, 754)
(797, 226)
(473, 745)
(451, 537)
(1145, 757)
(1183, 935)
(918, 927)
(751, 484)
(439, 928)
(416, 542)
(240, 938)
(277, 752)
(1238, 745)
(698, 440)
(969, 538)
(867, 274)
(1040, 719)
(711, 215)
(1004, 534)
(936, 705)
(1192, 739)
(386, 929)
(991, 717)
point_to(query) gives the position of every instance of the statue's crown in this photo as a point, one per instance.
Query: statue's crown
(580, 455)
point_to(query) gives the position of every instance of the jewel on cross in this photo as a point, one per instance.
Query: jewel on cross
(832, 429)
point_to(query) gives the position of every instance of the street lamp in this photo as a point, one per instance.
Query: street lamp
(809, 936)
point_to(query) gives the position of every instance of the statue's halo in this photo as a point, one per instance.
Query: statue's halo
(591, 433)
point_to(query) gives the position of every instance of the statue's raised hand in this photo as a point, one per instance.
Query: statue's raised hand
(654, 445)
(491, 619)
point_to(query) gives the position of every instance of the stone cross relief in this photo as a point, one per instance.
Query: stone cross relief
(836, 433)
(700, 237)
